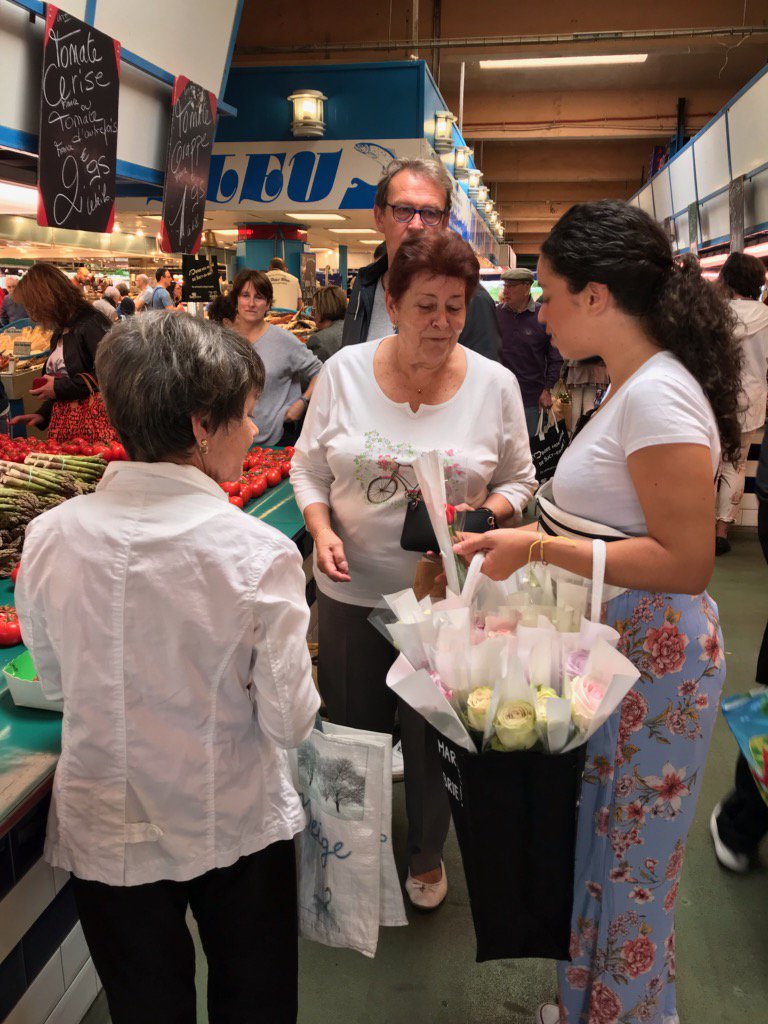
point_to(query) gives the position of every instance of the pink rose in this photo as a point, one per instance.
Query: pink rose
(624, 786)
(577, 977)
(634, 709)
(638, 954)
(587, 695)
(605, 1005)
(666, 648)
(676, 723)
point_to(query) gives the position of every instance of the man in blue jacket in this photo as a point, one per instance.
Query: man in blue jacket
(413, 195)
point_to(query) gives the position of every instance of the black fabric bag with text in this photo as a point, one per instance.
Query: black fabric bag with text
(515, 816)
(547, 446)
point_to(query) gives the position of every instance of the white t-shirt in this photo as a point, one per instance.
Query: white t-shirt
(285, 288)
(661, 403)
(380, 325)
(356, 454)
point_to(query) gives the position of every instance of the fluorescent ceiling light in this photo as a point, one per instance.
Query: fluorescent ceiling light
(524, 63)
(370, 241)
(315, 216)
(760, 249)
(226, 232)
(717, 260)
(352, 231)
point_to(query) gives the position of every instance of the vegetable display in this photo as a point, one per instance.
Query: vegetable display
(262, 468)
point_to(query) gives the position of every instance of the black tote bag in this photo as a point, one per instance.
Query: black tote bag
(547, 446)
(515, 816)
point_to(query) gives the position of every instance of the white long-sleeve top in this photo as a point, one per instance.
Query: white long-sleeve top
(752, 335)
(174, 627)
(356, 454)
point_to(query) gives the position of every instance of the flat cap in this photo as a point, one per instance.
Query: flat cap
(519, 274)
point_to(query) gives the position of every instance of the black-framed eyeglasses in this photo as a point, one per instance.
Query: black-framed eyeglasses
(430, 215)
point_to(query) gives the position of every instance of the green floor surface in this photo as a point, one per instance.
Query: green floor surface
(426, 972)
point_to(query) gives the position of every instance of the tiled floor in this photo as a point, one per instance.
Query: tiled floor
(426, 972)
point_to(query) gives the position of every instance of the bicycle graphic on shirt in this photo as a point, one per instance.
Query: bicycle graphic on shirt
(383, 488)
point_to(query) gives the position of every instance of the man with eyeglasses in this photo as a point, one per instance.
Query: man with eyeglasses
(413, 195)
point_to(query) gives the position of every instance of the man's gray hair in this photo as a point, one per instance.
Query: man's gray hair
(142, 280)
(12, 279)
(432, 170)
(155, 371)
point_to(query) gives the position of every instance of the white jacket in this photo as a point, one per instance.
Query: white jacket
(174, 626)
(752, 335)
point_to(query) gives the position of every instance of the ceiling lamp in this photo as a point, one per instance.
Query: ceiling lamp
(308, 122)
(488, 208)
(473, 181)
(444, 121)
(461, 157)
(525, 63)
(481, 196)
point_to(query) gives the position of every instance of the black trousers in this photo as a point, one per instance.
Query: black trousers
(247, 918)
(743, 819)
(351, 673)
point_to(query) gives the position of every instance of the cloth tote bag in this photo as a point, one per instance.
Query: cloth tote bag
(86, 418)
(547, 445)
(347, 880)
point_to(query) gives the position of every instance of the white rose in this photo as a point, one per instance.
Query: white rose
(515, 725)
(478, 703)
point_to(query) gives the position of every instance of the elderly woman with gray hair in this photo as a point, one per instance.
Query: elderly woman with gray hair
(174, 628)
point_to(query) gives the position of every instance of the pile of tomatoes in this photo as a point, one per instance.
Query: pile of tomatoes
(17, 449)
(10, 630)
(263, 468)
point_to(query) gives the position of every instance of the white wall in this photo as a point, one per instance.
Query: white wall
(189, 37)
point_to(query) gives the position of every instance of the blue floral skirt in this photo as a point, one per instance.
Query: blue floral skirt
(641, 783)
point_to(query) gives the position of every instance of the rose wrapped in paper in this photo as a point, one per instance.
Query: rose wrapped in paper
(587, 695)
(575, 663)
(515, 725)
(543, 695)
(478, 703)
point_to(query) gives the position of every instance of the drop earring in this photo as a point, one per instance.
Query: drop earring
(203, 446)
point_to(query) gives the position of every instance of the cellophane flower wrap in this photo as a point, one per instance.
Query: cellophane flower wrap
(510, 666)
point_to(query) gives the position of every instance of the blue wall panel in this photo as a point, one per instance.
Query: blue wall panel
(365, 101)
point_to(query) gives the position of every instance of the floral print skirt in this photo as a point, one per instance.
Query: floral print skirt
(640, 786)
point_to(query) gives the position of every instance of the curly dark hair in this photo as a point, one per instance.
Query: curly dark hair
(743, 275)
(620, 246)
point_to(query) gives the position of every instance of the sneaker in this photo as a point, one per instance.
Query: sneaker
(548, 1013)
(427, 895)
(738, 862)
(722, 545)
(398, 768)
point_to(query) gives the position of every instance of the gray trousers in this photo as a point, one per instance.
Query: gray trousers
(352, 668)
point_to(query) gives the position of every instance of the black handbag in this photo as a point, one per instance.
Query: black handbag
(515, 816)
(547, 447)
(418, 534)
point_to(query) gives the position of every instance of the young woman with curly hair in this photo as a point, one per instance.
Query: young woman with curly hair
(641, 474)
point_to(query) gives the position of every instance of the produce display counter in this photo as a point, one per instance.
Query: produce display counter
(45, 970)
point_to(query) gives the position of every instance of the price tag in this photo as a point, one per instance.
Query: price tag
(22, 349)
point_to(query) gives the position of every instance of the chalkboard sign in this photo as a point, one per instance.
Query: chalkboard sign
(78, 125)
(193, 122)
(201, 278)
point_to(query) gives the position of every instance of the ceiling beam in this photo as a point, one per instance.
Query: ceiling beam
(558, 161)
(584, 114)
(509, 193)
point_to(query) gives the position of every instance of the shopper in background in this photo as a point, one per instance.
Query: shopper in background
(127, 306)
(739, 823)
(108, 303)
(328, 308)
(412, 196)
(286, 289)
(161, 297)
(586, 381)
(526, 348)
(176, 292)
(143, 293)
(644, 465)
(11, 309)
(222, 311)
(172, 792)
(742, 279)
(70, 376)
(376, 408)
(288, 364)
